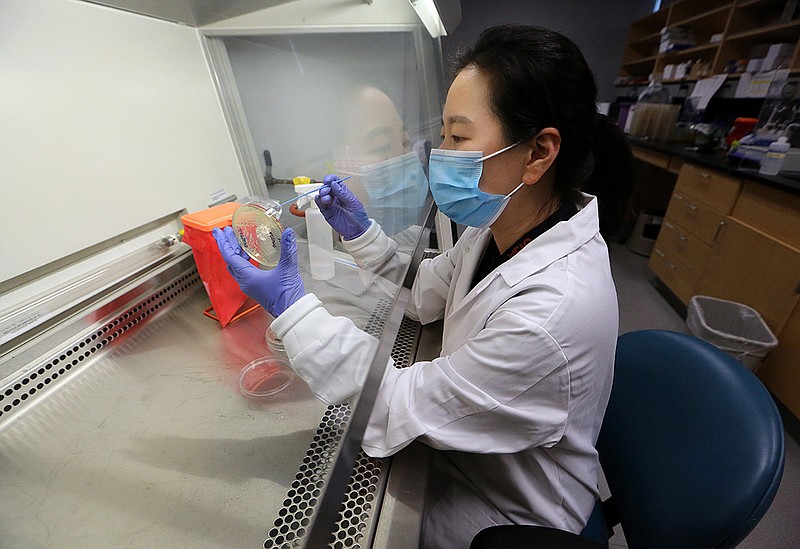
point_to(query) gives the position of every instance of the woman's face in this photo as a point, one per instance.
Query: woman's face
(469, 124)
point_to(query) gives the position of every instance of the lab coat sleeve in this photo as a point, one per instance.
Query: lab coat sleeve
(503, 391)
(431, 288)
(377, 253)
(330, 353)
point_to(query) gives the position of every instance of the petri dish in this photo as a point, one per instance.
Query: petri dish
(258, 229)
(274, 343)
(265, 376)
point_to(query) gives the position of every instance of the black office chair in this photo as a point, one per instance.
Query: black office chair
(691, 447)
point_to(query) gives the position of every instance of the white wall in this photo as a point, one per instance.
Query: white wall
(109, 120)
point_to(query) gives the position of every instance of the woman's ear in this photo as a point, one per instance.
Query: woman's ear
(544, 147)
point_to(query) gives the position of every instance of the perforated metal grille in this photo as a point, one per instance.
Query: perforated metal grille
(21, 390)
(378, 318)
(405, 345)
(289, 528)
(358, 506)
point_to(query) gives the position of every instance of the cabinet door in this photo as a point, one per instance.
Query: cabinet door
(780, 371)
(773, 211)
(749, 267)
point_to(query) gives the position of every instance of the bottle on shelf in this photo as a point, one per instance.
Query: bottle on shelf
(772, 162)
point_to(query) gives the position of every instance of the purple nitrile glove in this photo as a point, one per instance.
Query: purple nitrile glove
(275, 290)
(342, 210)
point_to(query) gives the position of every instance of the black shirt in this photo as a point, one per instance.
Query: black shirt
(492, 258)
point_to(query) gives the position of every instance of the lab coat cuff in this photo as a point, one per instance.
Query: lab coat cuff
(364, 240)
(371, 249)
(294, 314)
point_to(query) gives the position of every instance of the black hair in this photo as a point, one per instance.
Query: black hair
(538, 78)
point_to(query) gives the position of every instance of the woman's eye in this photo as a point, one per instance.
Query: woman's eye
(457, 139)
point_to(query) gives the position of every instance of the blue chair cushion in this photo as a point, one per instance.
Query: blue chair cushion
(691, 444)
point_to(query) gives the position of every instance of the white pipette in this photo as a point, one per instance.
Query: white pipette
(312, 191)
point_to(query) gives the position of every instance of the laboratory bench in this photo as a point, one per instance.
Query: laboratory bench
(123, 424)
(672, 155)
(733, 234)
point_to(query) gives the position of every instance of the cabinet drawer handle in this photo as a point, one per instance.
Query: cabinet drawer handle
(677, 196)
(692, 207)
(704, 175)
(669, 225)
(659, 252)
(719, 230)
(682, 237)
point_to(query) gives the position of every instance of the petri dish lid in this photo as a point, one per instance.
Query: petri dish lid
(258, 230)
(265, 376)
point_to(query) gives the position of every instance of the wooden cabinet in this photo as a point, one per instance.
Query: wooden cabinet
(697, 211)
(773, 211)
(750, 267)
(738, 240)
(780, 371)
(724, 31)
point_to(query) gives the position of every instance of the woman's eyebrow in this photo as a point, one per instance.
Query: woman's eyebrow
(458, 118)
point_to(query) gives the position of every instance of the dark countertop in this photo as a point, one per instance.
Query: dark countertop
(716, 160)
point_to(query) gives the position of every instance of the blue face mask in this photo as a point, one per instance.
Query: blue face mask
(454, 177)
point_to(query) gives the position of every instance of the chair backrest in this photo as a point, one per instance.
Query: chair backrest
(691, 444)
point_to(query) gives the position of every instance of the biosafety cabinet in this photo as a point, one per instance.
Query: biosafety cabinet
(123, 422)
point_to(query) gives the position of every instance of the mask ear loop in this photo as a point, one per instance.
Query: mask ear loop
(515, 190)
(488, 156)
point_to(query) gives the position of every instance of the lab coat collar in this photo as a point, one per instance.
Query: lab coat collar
(561, 240)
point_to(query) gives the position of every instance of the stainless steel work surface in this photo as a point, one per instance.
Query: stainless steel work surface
(149, 442)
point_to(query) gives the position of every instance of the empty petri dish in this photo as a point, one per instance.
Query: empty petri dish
(265, 376)
(274, 343)
(258, 229)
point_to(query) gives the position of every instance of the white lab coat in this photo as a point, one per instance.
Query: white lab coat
(516, 399)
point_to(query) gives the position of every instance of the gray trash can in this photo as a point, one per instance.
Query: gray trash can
(732, 327)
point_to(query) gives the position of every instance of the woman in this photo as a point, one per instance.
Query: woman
(516, 399)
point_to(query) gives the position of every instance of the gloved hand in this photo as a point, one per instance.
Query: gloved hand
(275, 290)
(342, 210)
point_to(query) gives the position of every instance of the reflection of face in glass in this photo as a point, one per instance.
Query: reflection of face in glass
(375, 130)
(386, 175)
(397, 188)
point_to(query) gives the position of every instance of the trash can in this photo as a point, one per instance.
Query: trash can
(732, 327)
(645, 232)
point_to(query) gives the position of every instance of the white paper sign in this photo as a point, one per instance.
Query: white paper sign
(705, 89)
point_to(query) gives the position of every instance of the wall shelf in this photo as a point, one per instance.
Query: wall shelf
(742, 25)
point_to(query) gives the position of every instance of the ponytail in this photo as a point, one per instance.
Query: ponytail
(611, 179)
